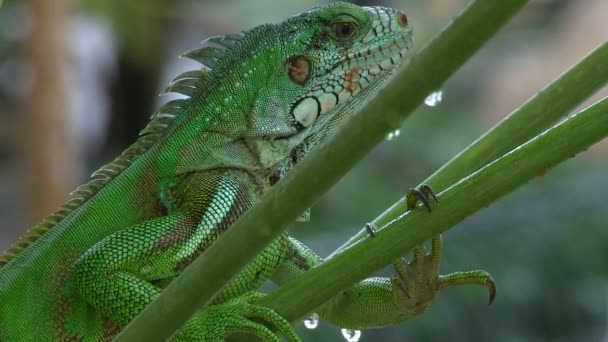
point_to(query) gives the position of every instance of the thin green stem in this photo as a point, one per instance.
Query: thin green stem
(534, 116)
(198, 284)
(479, 190)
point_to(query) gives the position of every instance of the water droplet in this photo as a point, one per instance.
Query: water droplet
(312, 322)
(351, 335)
(434, 99)
(394, 134)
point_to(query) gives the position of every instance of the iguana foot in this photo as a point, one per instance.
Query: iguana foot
(238, 315)
(427, 266)
(417, 282)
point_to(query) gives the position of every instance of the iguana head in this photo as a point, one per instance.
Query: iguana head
(338, 53)
(276, 91)
(332, 57)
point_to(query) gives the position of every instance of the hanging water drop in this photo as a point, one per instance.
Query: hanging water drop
(312, 322)
(394, 134)
(434, 99)
(351, 335)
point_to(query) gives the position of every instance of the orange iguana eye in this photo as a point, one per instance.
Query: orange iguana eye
(344, 30)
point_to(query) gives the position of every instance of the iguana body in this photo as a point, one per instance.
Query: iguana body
(264, 99)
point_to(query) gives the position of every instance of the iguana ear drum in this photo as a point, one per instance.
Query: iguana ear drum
(298, 68)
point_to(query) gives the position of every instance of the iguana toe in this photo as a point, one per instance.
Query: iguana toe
(238, 315)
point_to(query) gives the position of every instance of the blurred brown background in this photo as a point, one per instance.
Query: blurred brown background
(79, 78)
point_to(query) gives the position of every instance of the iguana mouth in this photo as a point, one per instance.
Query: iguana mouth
(361, 67)
(393, 48)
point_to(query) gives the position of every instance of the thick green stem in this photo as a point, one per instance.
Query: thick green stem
(536, 115)
(480, 189)
(198, 284)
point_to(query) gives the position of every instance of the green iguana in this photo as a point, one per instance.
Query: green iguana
(262, 100)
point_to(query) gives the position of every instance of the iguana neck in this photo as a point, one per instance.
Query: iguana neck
(217, 128)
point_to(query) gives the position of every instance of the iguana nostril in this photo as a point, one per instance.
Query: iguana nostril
(402, 19)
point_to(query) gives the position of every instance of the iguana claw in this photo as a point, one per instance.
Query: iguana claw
(478, 277)
(427, 266)
(418, 281)
(421, 194)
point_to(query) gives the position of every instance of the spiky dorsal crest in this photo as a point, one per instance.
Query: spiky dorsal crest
(186, 83)
(216, 48)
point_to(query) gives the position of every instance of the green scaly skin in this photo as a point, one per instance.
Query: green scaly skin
(263, 99)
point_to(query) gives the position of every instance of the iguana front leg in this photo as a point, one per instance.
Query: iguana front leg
(378, 302)
(123, 273)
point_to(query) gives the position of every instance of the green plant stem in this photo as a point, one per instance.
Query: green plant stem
(534, 116)
(197, 285)
(479, 190)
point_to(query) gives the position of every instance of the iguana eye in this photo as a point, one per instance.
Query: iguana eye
(344, 30)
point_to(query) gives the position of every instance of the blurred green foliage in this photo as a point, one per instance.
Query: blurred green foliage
(137, 24)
